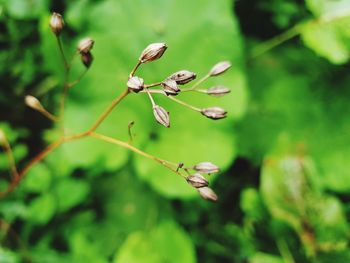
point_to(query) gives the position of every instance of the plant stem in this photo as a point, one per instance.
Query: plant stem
(35, 160)
(184, 104)
(199, 82)
(153, 85)
(134, 149)
(103, 116)
(48, 115)
(65, 62)
(75, 82)
(134, 69)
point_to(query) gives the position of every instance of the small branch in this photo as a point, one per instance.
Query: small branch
(103, 116)
(136, 150)
(75, 82)
(150, 97)
(184, 104)
(65, 62)
(48, 115)
(134, 69)
(35, 160)
(199, 82)
(153, 85)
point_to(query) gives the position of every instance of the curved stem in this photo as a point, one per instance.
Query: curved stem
(65, 62)
(11, 159)
(199, 82)
(134, 69)
(185, 104)
(103, 116)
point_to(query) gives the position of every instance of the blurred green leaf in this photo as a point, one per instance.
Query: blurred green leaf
(42, 208)
(166, 243)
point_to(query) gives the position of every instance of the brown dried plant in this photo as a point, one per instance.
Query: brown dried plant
(170, 87)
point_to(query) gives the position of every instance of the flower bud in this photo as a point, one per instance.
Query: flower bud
(152, 52)
(87, 59)
(218, 91)
(85, 45)
(206, 167)
(183, 76)
(207, 193)
(197, 180)
(161, 115)
(219, 68)
(135, 84)
(214, 113)
(33, 103)
(2, 137)
(170, 87)
(56, 23)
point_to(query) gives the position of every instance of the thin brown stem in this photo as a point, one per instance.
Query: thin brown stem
(135, 68)
(136, 150)
(199, 82)
(150, 97)
(65, 62)
(48, 115)
(153, 85)
(185, 104)
(75, 82)
(103, 116)
(35, 160)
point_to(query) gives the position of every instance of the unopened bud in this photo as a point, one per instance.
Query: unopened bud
(152, 52)
(56, 23)
(170, 87)
(135, 84)
(183, 76)
(2, 137)
(214, 113)
(85, 45)
(218, 91)
(161, 115)
(197, 180)
(219, 68)
(206, 167)
(207, 193)
(33, 103)
(86, 59)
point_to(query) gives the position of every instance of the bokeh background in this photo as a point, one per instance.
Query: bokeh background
(284, 148)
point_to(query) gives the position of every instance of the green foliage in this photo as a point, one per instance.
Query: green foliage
(285, 199)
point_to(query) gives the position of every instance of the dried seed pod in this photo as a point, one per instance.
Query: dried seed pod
(2, 137)
(183, 76)
(219, 68)
(85, 45)
(161, 115)
(218, 91)
(214, 113)
(206, 167)
(170, 87)
(87, 59)
(33, 103)
(197, 180)
(135, 84)
(56, 23)
(207, 193)
(152, 52)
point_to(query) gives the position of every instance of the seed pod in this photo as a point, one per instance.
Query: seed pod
(170, 87)
(197, 180)
(152, 52)
(207, 193)
(135, 84)
(214, 113)
(183, 76)
(85, 45)
(56, 23)
(218, 91)
(161, 115)
(33, 103)
(219, 68)
(206, 168)
(87, 59)
(2, 137)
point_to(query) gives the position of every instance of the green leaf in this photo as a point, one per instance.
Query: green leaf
(38, 179)
(70, 192)
(42, 208)
(26, 9)
(162, 244)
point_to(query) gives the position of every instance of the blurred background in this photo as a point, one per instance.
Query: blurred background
(284, 148)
